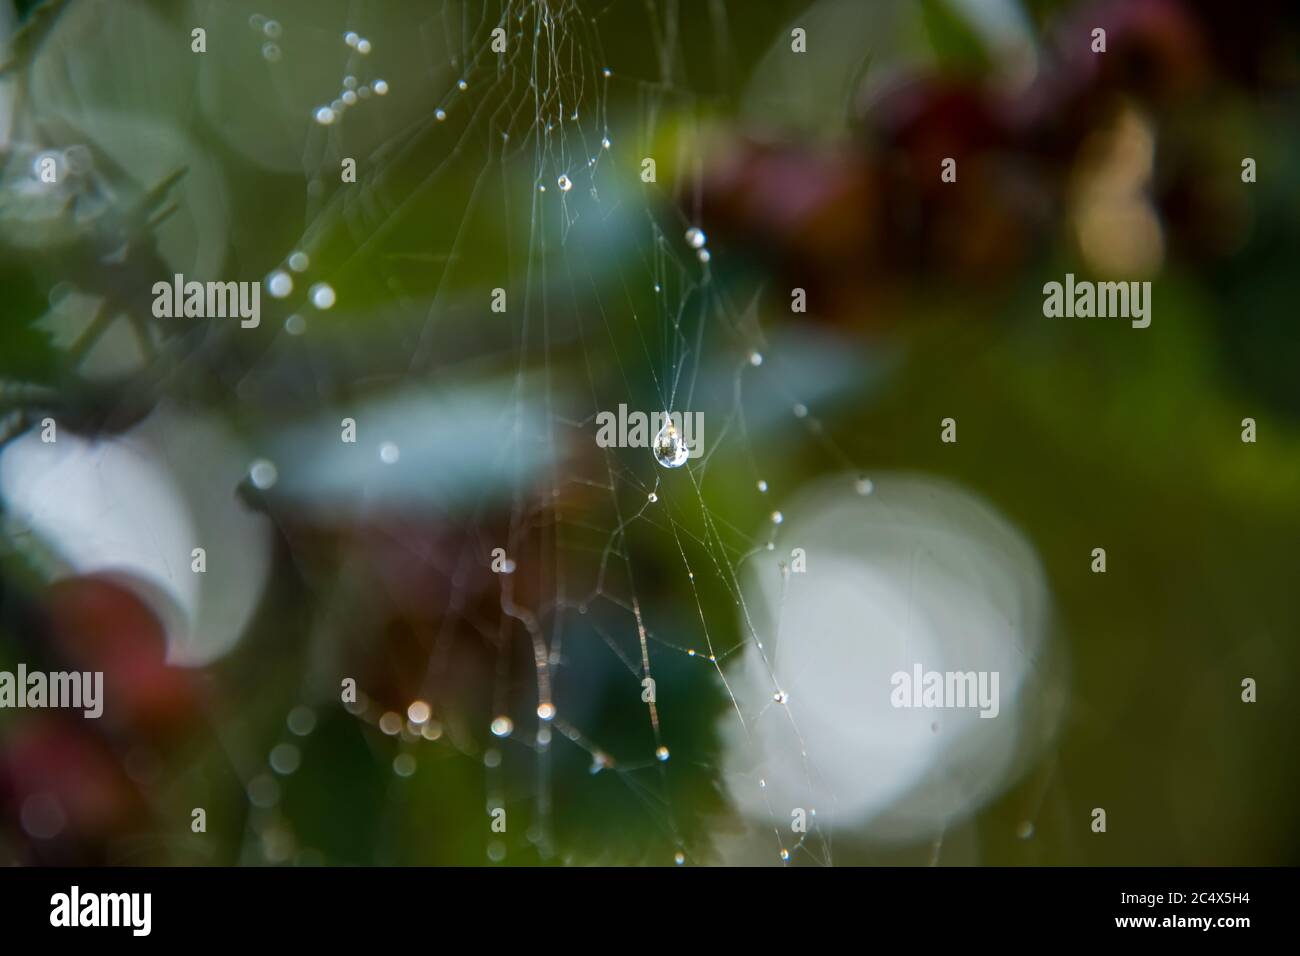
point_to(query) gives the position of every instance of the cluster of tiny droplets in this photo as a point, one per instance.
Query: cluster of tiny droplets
(279, 284)
(269, 31)
(698, 241)
(352, 91)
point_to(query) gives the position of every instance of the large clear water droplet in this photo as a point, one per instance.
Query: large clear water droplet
(669, 447)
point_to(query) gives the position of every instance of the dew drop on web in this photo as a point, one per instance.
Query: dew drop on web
(279, 284)
(669, 448)
(322, 295)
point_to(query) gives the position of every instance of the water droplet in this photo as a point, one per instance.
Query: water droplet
(598, 763)
(295, 324)
(669, 448)
(1025, 830)
(785, 855)
(390, 723)
(418, 712)
(679, 857)
(652, 497)
(440, 114)
(432, 730)
(363, 91)
(864, 486)
(502, 726)
(661, 754)
(762, 485)
(704, 255)
(337, 107)
(262, 474)
(565, 183)
(695, 237)
(272, 29)
(389, 453)
(756, 359)
(348, 98)
(257, 21)
(492, 758)
(363, 46)
(42, 816)
(607, 72)
(800, 410)
(780, 697)
(325, 116)
(78, 159)
(301, 720)
(462, 85)
(546, 711)
(777, 517)
(298, 261)
(270, 53)
(404, 765)
(279, 283)
(349, 82)
(605, 143)
(263, 791)
(322, 295)
(496, 851)
(380, 87)
(351, 38)
(285, 759)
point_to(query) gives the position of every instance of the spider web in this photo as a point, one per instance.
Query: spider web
(624, 599)
(537, 120)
